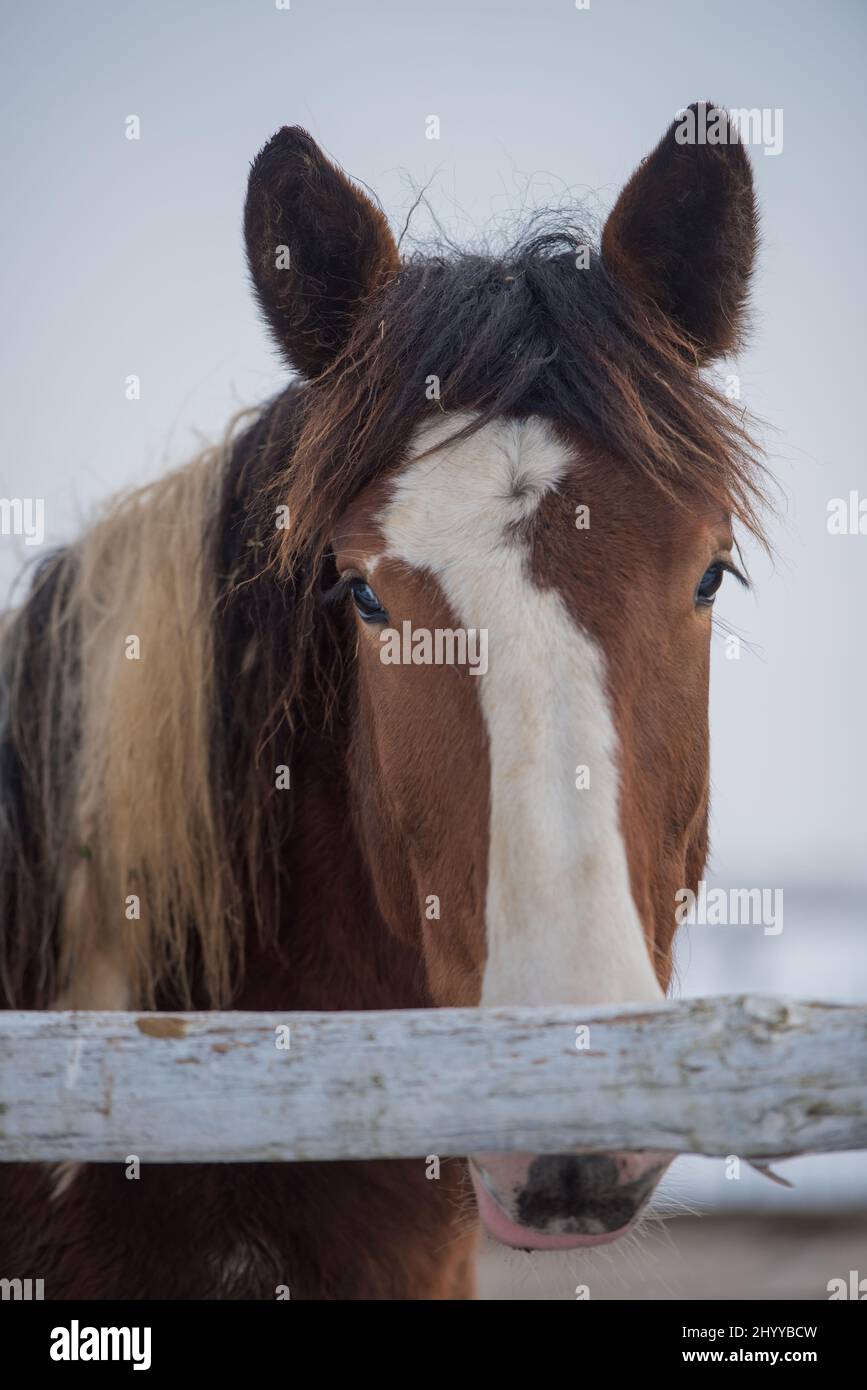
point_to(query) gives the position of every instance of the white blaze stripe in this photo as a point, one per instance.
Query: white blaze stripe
(562, 926)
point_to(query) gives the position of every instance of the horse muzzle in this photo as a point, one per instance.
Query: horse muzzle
(563, 1201)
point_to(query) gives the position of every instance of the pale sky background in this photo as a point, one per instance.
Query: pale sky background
(126, 257)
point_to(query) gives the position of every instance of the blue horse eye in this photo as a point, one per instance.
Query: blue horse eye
(709, 583)
(367, 603)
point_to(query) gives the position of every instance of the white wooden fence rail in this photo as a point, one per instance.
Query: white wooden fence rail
(750, 1076)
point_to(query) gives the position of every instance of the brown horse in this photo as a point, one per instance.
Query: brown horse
(397, 699)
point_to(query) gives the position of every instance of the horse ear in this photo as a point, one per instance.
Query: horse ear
(317, 247)
(684, 230)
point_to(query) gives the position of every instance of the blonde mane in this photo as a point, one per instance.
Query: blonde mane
(132, 835)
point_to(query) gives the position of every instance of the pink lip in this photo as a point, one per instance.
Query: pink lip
(508, 1232)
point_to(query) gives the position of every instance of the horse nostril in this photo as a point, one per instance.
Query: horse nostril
(596, 1189)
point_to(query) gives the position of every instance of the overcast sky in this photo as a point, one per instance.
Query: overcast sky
(123, 256)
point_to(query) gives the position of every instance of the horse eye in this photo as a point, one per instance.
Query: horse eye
(709, 583)
(369, 608)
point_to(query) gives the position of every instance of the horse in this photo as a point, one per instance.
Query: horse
(216, 790)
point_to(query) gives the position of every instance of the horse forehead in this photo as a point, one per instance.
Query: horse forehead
(456, 501)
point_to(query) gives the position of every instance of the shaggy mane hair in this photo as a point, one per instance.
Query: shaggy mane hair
(524, 333)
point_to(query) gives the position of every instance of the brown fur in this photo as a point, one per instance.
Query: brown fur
(157, 777)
